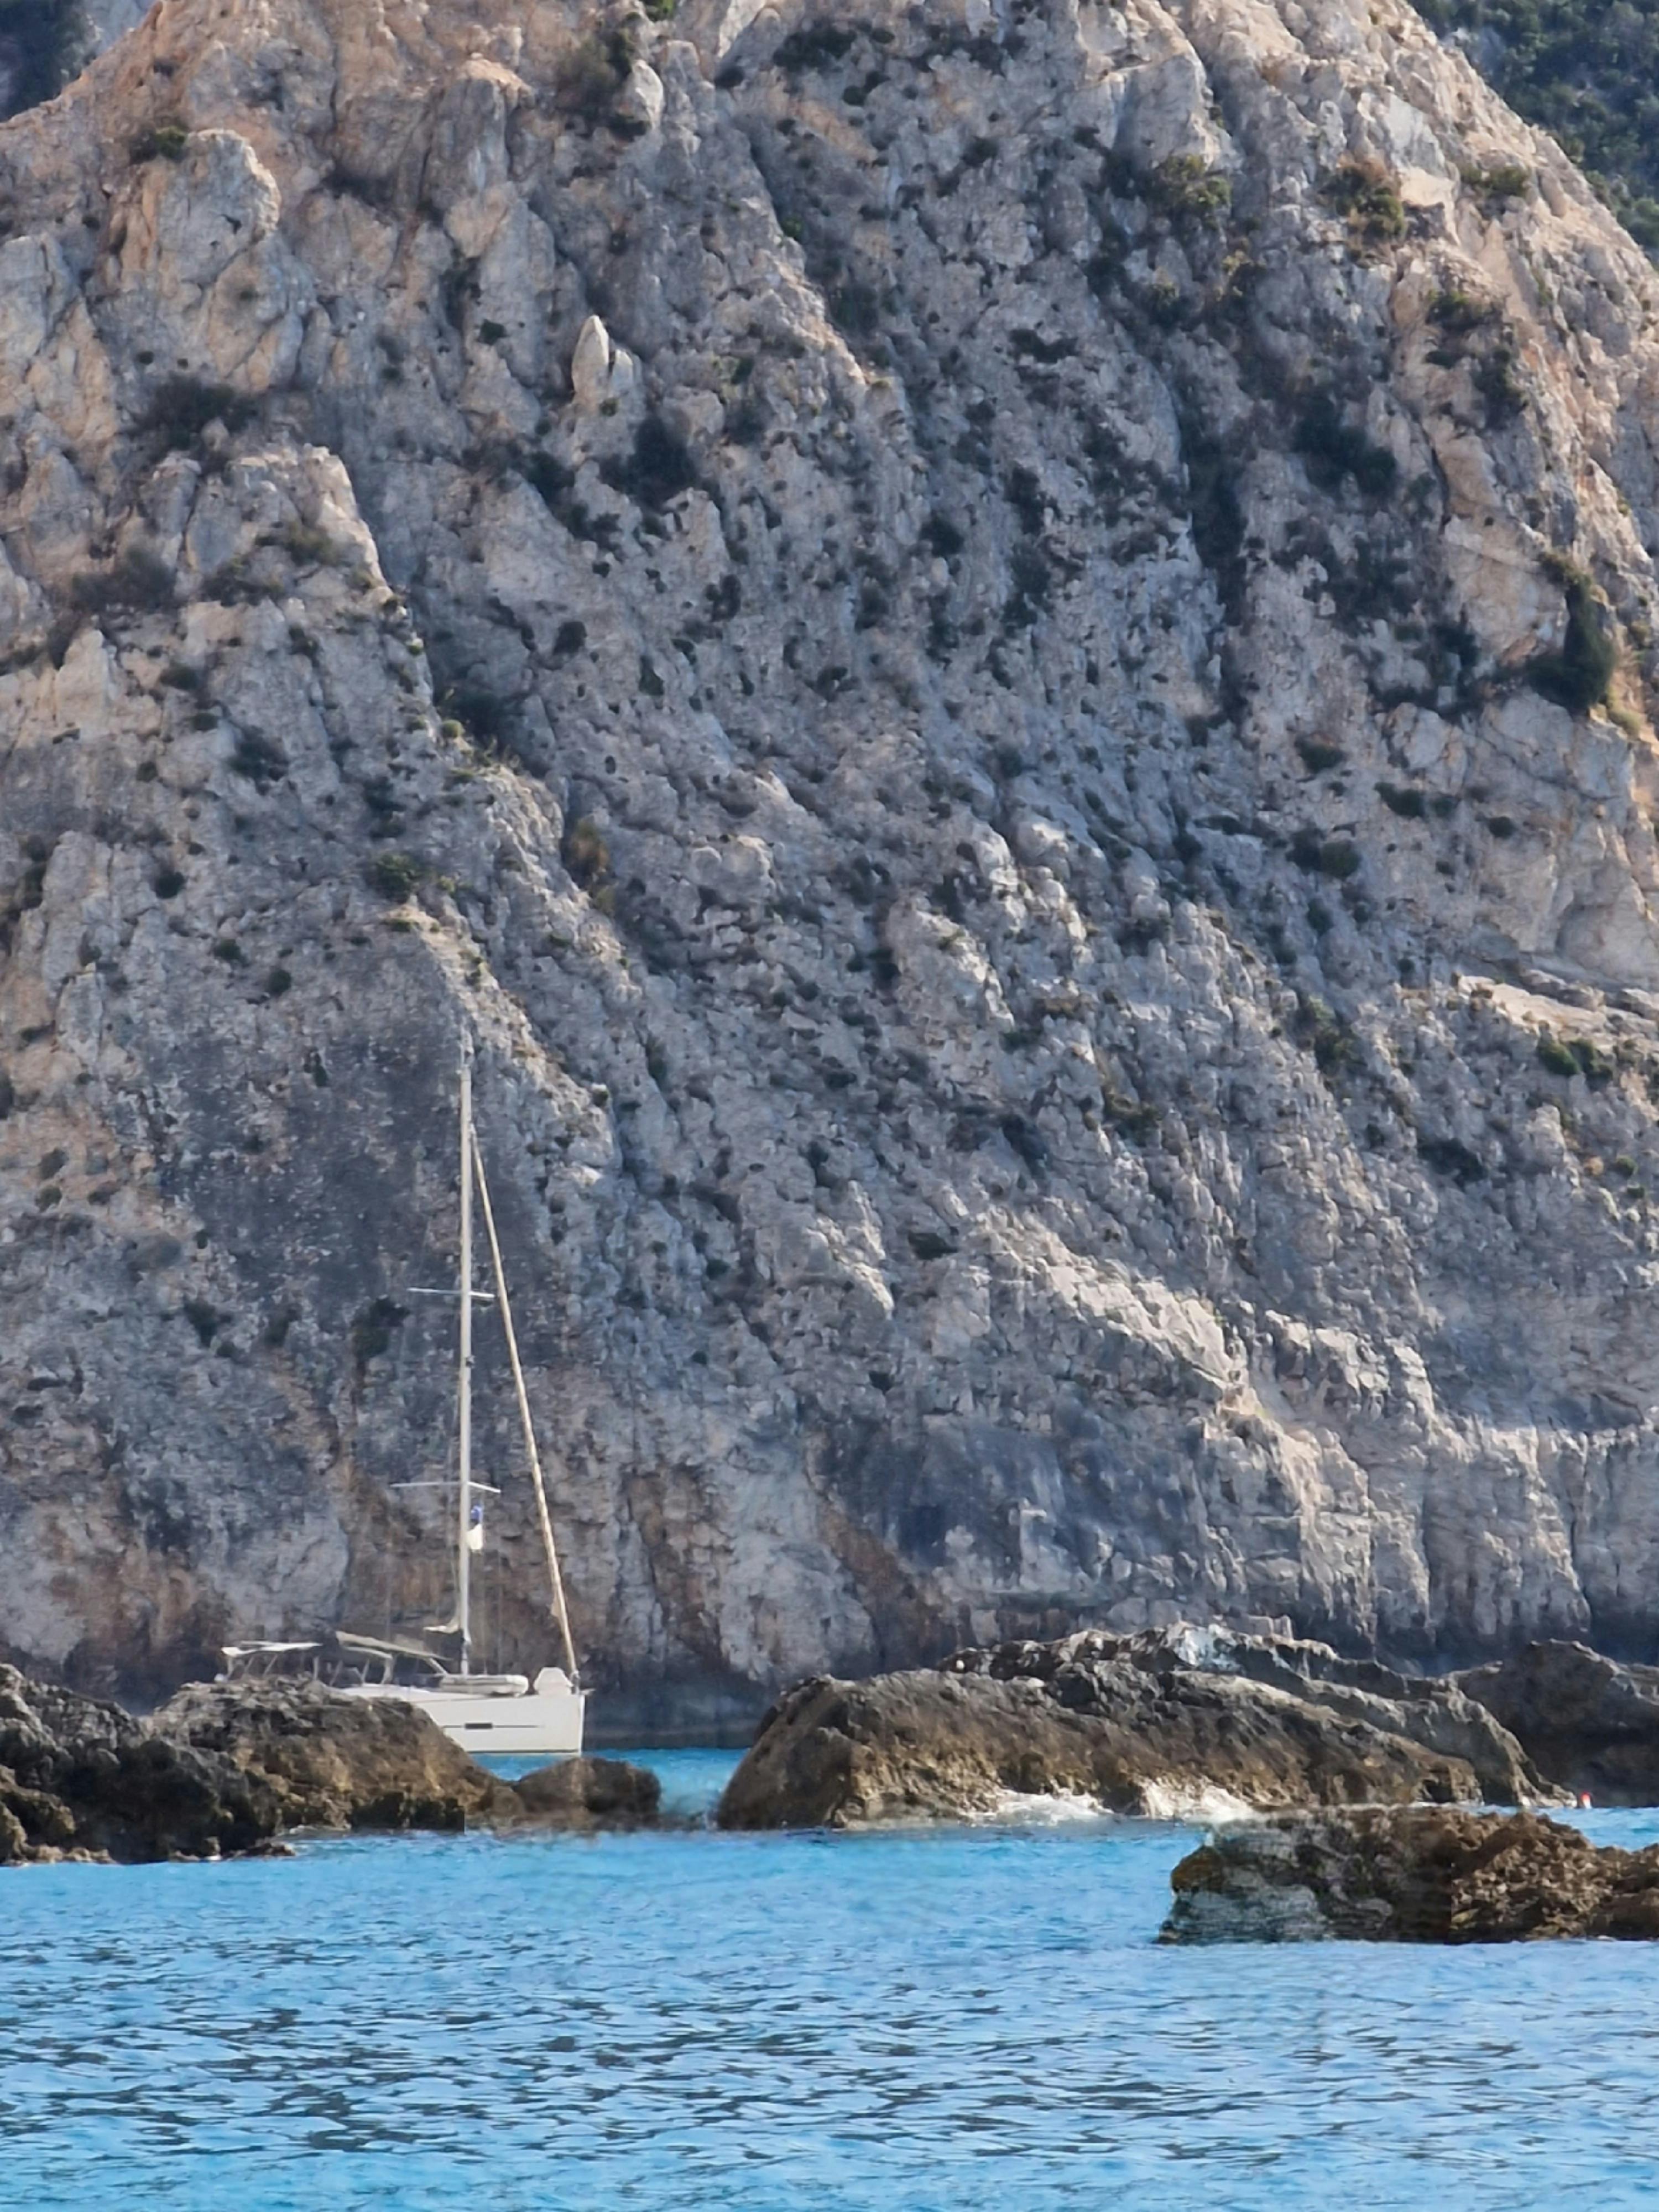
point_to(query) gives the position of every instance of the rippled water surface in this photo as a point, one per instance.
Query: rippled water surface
(926, 2022)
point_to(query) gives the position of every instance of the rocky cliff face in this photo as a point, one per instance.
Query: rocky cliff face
(1002, 659)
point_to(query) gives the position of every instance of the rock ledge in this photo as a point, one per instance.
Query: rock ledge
(1419, 1875)
(1172, 1723)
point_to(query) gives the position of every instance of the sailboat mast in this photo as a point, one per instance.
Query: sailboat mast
(556, 1580)
(464, 1487)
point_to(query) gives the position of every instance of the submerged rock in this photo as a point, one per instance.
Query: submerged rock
(1420, 1874)
(591, 1793)
(1590, 1723)
(331, 1761)
(1166, 1723)
(80, 1779)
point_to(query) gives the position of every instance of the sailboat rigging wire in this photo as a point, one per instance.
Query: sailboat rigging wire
(542, 1515)
(442, 1482)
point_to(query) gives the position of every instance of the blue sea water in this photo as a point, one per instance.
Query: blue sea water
(965, 2021)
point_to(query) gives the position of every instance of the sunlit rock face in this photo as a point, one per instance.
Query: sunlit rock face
(1003, 667)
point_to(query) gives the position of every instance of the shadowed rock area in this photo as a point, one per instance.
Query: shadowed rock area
(1590, 1723)
(82, 1779)
(1421, 1875)
(1171, 1725)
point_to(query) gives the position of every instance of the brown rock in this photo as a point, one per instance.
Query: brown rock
(591, 1793)
(1590, 1723)
(331, 1761)
(1418, 1875)
(1163, 1724)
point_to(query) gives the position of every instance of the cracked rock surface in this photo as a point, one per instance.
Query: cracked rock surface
(1411, 1875)
(1003, 660)
(1182, 1724)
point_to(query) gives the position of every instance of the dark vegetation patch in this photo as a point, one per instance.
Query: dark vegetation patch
(394, 875)
(181, 409)
(1580, 674)
(1319, 757)
(257, 759)
(1366, 194)
(1318, 1029)
(161, 141)
(1218, 515)
(1497, 380)
(39, 43)
(593, 74)
(206, 1320)
(1405, 800)
(817, 44)
(371, 1331)
(659, 469)
(140, 582)
(1569, 1056)
(1494, 186)
(1184, 188)
(1337, 857)
(1132, 1118)
(1334, 450)
(1587, 71)
(585, 855)
(1447, 1156)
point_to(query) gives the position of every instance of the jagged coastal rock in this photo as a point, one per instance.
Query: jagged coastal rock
(223, 1768)
(589, 1793)
(1590, 1723)
(82, 1779)
(1176, 1726)
(330, 1761)
(1004, 663)
(1421, 1875)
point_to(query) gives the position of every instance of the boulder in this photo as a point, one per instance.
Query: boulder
(591, 1793)
(82, 1779)
(331, 1761)
(1171, 1723)
(1418, 1875)
(1590, 1723)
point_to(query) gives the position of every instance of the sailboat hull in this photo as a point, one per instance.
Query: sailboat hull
(537, 1723)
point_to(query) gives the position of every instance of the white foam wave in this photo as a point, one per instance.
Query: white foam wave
(1196, 1802)
(1045, 1809)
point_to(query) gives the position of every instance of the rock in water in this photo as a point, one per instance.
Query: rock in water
(82, 1779)
(1030, 763)
(1420, 1876)
(330, 1761)
(591, 1793)
(1173, 1725)
(1590, 1723)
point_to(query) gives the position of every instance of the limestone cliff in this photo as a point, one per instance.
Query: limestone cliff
(1002, 658)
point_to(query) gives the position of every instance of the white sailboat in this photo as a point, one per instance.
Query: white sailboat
(489, 1713)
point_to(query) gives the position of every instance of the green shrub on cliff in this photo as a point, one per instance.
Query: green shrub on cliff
(1580, 676)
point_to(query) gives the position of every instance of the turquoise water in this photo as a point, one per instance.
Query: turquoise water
(975, 2021)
